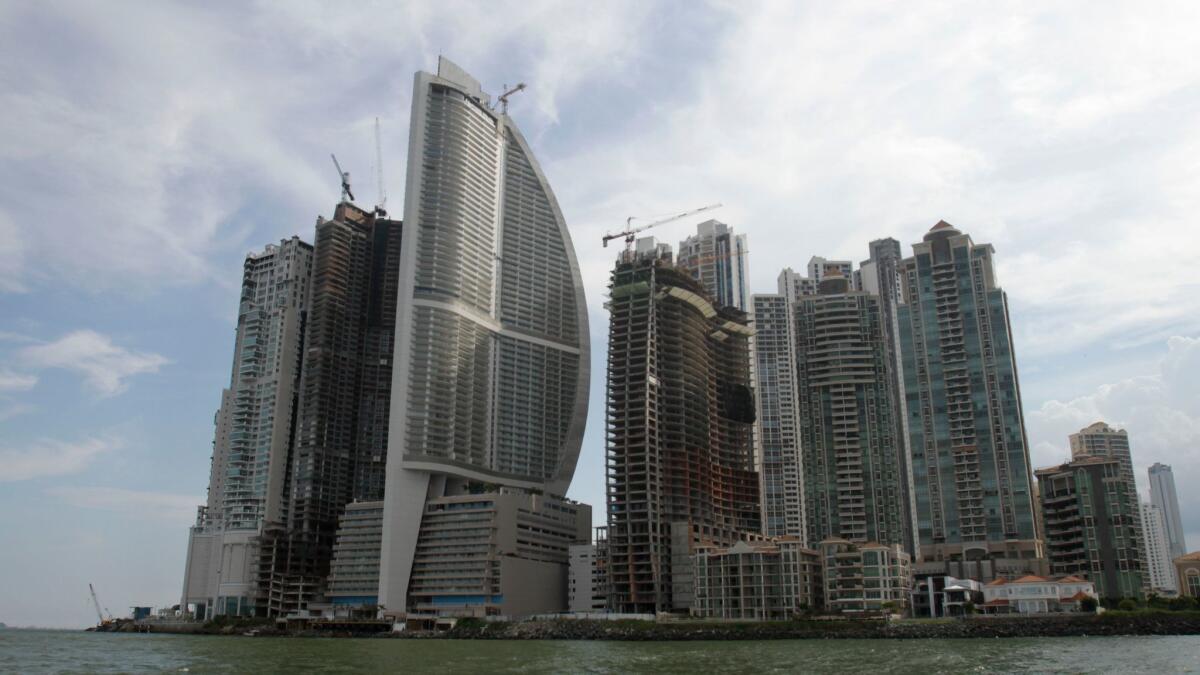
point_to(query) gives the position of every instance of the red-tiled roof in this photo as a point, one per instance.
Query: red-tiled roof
(997, 582)
(1031, 579)
(996, 603)
(1078, 597)
(1072, 579)
(941, 225)
(1189, 557)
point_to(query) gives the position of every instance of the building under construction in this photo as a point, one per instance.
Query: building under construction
(680, 462)
(340, 447)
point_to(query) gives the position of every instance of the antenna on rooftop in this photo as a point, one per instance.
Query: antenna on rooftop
(381, 207)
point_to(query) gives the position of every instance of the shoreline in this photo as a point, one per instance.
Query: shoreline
(1111, 624)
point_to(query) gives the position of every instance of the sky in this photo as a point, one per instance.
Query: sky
(146, 147)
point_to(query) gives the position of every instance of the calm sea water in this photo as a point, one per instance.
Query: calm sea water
(70, 652)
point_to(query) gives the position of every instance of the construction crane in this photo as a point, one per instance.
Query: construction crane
(629, 232)
(504, 97)
(345, 176)
(96, 602)
(381, 207)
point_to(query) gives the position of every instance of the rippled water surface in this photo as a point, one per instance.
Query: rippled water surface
(76, 652)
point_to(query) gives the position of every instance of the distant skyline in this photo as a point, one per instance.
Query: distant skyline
(136, 174)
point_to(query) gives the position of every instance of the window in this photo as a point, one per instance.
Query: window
(1193, 583)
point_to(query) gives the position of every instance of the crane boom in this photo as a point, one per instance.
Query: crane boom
(629, 231)
(96, 602)
(345, 176)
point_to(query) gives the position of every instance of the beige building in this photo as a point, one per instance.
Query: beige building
(501, 553)
(764, 580)
(1187, 570)
(864, 577)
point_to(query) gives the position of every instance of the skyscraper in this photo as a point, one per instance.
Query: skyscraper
(1162, 495)
(1157, 556)
(1092, 525)
(852, 473)
(490, 383)
(717, 259)
(776, 437)
(971, 473)
(1101, 440)
(680, 465)
(879, 275)
(340, 446)
(249, 481)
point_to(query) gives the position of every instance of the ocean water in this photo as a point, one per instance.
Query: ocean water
(23, 651)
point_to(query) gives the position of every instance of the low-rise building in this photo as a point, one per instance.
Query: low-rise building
(1037, 595)
(587, 575)
(866, 577)
(354, 571)
(756, 580)
(1187, 570)
(501, 553)
(938, 596)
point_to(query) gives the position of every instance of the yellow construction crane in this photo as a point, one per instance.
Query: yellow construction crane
(629, 233)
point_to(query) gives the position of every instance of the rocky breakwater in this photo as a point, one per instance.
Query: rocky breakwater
(1064, 626)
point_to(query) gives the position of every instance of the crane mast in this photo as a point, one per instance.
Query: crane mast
(347, 195)
(381, 207)
(629, 233)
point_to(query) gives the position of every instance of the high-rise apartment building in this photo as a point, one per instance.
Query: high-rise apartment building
(879, 275)
(1102, 440)
(679, 464)
(1092, 524)
(971, 473)
(354, 572)
(490, 383)
(250, 473)
(819, 268)
(1156, 553)
(852, 475)
(340, 445)
(717, 259)
(1162, 495)
(776, 437)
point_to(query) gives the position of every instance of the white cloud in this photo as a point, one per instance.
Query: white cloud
(104, 365)
(1161, 412)
(12, 251)
(10, 411)
(48, 457)
(13, 381)
(160, 505)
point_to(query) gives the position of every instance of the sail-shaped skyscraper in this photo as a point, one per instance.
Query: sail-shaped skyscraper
(490, 379)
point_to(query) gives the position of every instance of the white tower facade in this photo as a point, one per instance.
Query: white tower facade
(490, 384)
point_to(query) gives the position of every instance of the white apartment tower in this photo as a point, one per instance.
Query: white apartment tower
(490, 383)
(1157, 554)
(717, 259)
(249, 477)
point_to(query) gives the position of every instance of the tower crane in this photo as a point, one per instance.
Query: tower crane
(345, 176)
(503, 98)
(381, 207)
(628, 233)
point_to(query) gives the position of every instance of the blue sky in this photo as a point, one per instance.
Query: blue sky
(146, 147)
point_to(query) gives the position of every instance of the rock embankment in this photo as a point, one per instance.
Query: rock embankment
(1134, 624)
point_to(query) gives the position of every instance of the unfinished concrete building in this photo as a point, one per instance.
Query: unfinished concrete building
(680, 417)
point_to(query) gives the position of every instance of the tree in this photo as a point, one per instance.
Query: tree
(1127, 605)
(1089, 605)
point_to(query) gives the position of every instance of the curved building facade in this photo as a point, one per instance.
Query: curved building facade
(490, 383)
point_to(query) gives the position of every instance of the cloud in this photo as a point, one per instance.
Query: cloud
(12, 251)
(1160, 410)
(12, 381)
(8, 412)
(159, 505)
(48, 457)
(105, 366)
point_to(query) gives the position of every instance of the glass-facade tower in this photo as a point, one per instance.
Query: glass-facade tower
(970, 453)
